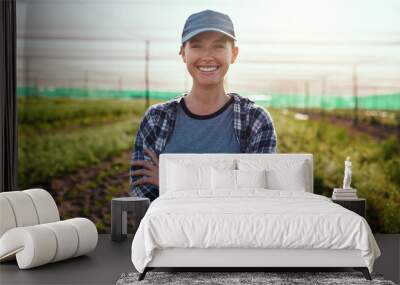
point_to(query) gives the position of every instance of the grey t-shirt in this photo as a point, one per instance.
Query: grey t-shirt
(213, 133)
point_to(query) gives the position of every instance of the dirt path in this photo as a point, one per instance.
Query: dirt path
(379, 132)
(88, 192)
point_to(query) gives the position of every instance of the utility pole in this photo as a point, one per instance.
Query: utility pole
(86, 83)
(355, 98)
(323, 92)
(147, 76)
(29, 84)
(307, 93)
(120, 84)
(36, 80)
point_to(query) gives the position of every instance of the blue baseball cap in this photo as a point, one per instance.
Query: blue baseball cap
(207, 20)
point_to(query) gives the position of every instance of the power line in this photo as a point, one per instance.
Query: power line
(252, 61)
(117, 2)
(139, 38)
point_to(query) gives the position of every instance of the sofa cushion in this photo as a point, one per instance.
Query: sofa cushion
(26, 208)
(6, 215)
(51, 242)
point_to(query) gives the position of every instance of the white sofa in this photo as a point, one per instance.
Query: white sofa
(31, 231)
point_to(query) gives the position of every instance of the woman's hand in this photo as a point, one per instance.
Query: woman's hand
(150, 170)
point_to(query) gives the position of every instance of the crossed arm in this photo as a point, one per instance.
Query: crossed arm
(145, 161)
(144, 180)
(149, 170)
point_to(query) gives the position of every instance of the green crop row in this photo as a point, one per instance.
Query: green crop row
(376, 165)
(46, 156)
(34, 110)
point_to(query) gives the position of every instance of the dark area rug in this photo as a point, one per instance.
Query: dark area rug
(229, 278)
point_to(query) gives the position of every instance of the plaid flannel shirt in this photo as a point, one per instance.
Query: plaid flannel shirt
(253, 127)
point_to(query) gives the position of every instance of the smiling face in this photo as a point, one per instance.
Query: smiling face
(208, 56)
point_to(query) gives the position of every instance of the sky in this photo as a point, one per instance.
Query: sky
(282, 44)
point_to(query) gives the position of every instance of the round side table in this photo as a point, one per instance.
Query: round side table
(120, 207)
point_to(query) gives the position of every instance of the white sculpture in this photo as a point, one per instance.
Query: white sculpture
(347, 174)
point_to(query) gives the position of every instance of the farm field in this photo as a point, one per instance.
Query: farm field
(80, 149)
(379, 124)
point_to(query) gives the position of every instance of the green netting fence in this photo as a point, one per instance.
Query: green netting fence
(375, 102)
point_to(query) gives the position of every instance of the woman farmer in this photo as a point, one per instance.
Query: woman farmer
(207, 119)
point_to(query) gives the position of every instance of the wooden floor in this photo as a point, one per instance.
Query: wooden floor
(111, 259)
